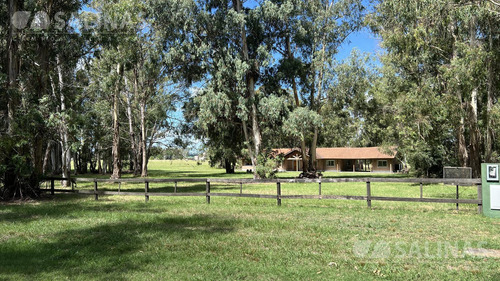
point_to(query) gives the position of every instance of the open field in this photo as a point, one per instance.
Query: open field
(183, 238)
(189, 169)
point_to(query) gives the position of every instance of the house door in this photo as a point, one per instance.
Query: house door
(348, 165)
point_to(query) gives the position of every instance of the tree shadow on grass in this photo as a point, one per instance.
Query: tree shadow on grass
(26, 212)
(107, 251)
(71, 206)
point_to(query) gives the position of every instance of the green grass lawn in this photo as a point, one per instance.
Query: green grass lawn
(189, 169)
(183, 238)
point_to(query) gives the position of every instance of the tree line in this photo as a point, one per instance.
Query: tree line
(101, 83)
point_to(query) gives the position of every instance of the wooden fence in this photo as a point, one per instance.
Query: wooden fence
(208, 194)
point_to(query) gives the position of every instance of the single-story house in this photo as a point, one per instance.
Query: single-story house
(343, 159)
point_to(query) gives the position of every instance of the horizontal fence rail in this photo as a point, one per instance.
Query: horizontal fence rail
(278, 196)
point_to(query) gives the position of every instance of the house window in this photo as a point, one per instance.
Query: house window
(330, 163)
(382, 163)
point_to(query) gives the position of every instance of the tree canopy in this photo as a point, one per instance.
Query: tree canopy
(106, 84)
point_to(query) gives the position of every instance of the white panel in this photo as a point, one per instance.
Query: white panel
(495, 197)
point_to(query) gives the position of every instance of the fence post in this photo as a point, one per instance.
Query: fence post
(175, 187)
(208, 191)
(368, 195)
(119, 187)
(320, 189)
(241, 187)
(480, 198)
(52, 191)
(95, 190)
(146, 191)
(278, 193)
(422, 191)
(457, 197)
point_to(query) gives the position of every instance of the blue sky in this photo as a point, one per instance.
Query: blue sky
(363, 40)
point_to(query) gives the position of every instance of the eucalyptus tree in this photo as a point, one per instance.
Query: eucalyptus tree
(352, 113)
(65, 96)
(221, 45)
(117, 29)
(33, 42)
(128, 64)
(107, 82)
(310, 34)
(441, 57)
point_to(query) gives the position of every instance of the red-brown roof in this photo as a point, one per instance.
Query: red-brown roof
(284, 151)
(346, 152)
(287, 151)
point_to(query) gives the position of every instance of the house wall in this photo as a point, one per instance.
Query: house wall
(290, 163)
(340, 165)
(376, 168)
(323, 167)
(246, 167)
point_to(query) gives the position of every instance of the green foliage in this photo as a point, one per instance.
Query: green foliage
(439, 80)
(352, 113)
(268, 166)
(300, 122)
(252, 79)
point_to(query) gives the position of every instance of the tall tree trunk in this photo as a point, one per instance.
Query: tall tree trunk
(257, 137)
(316, 103)
(462, 154)
(144, 172)
(228, 165)
(55, 158)
(99, 165)
(303, 149)
(303, 152)
(64, 134)
(84, 157)
(104, 165)
(77, 164)
(46, 159)
(139, 153)
(138, 149)
(475, 137)
(314, 145)
(489, 139)
(133, 148)
(13, 67)
(38, 154)
(249, 144)
(117, 169)
(250, 85)
(38, 141)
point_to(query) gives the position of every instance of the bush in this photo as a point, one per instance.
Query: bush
(17, 180)
(267, 167)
